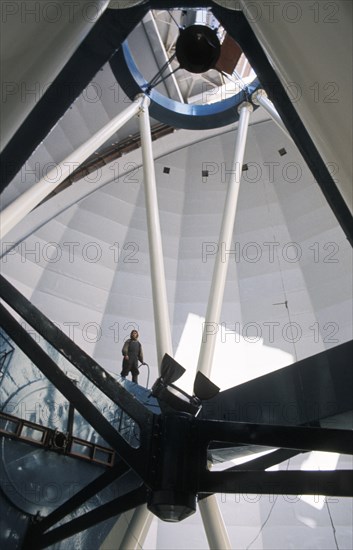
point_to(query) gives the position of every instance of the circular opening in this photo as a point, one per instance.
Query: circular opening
(190, 66)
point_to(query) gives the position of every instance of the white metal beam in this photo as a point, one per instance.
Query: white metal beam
(215, 300)
(137, 529)
(171, 78)
(260, 98)
(159, 290)
(230, 88)
(216, 533)
(172, 35)
(142, 517)
(21, 206)
(214, 525)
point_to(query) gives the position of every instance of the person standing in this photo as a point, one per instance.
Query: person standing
(132, 353)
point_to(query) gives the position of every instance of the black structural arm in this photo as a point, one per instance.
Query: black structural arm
(236, 24)
(37, 528)
(136, 458)
(110, 509)
(106, 36)
(337, 483)
(287, 437)
(260, 463)
(248, 479)
(301, 394)
(81, 360)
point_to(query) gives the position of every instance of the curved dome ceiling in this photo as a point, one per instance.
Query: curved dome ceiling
(82, 258)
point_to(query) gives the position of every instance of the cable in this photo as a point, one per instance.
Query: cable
(164, 78)
(152, 82)
(268, 517)
(175, 21)
(240, 81)
(148, 373)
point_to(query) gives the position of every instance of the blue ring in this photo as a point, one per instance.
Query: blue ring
(175, 113)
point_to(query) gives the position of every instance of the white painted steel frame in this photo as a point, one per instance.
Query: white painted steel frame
(137, 529)
(159, 289)
(21, 206)
(166, 58)
(215, 529)
(220, 270)
(214, 526)
(260, 98)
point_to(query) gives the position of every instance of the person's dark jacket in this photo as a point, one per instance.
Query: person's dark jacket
(129, 352)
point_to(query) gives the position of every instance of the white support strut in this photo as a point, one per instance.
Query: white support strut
(215, 300)
(21, 206)
(142, 517)
(214, 525)
(137, 529)
(159, 290)
(215, 529)
(260, 98)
